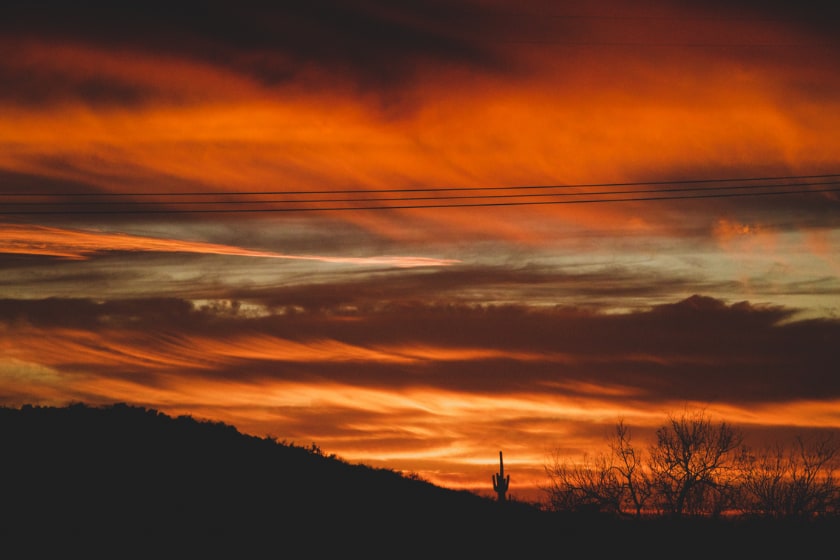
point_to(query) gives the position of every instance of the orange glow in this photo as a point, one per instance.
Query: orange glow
(427, 339)
(443, 433)
(116, 348)
(75, 244)
(489, 132)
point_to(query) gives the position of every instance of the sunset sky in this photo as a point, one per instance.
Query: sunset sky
(420, 233)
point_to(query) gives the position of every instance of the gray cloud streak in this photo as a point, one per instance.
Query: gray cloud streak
(699, 348)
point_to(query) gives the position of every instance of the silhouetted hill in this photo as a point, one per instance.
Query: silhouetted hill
(126, 476)
(123, 481)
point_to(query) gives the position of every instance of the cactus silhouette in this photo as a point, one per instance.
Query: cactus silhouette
(500, 481)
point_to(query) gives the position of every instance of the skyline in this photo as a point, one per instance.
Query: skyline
(619, 212)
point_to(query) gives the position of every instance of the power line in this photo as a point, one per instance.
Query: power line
(435, 189)
(405, 207)
(436, 198)
(565, 43)
(274, 209)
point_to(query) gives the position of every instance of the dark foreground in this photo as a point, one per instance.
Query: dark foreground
(123, 481)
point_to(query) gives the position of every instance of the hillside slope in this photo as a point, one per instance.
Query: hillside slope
(123, 482)
(122, 476)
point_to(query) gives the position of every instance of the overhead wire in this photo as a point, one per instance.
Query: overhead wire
(438, 198)
(173, 203)
(442, 189)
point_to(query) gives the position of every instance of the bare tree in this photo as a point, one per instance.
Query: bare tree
(615, 482)
(692, 463)
(635, 484)
(697, 466)
(590, 485)
(797, 482)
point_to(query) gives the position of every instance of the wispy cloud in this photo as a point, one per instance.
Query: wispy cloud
(132, 135)
(427, 387)
(81, 244)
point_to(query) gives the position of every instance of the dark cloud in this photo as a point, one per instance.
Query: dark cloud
(605, 286)
(472, 285)
(697, 349)
(815, 16)
(771, 194)
(100, 171)
(377, 43)
(17, 182)
(784, 212)
(374, 46)
(70, 189)
(34, 85)
(91, 314)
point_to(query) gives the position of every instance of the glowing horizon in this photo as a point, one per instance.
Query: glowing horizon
(425, 339)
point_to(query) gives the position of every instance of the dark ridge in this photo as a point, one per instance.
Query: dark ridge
(122, 481)
(121, 476)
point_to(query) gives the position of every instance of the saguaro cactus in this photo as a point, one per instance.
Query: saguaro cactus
(500, 481)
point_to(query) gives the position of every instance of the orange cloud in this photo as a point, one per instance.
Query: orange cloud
(401, 418)
(532, 99)
(561, 121)
(80, 244)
